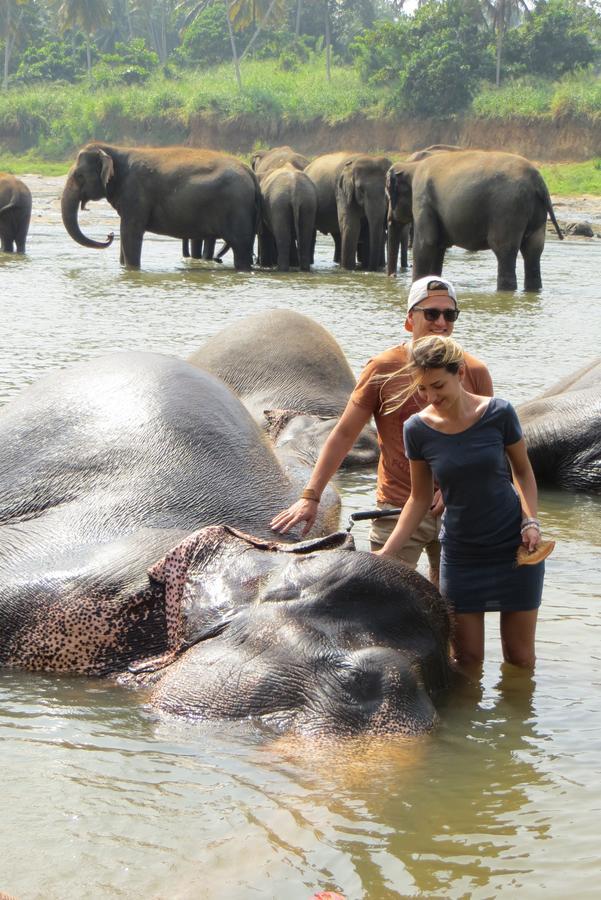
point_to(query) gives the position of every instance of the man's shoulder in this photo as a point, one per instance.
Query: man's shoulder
(472, 362)
(389, 360)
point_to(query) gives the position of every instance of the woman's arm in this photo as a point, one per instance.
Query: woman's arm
(339, 442)
(414, 510)
(525, 483)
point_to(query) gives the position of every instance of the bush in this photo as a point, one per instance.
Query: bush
(559, 37)
(50, 62)
(131, 63)
(206, 41)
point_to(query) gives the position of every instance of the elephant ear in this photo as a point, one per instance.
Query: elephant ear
(107, 168)
(345, 188)
(256, 158)
(395, 179)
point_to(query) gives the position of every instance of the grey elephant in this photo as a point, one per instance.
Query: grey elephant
(293, 378)
(263, 161)
(287, 233)
(15, 213)
(477, 200)
(351, 205)
(113, 561)
(562, 429)
(177, 191)
(399, 219)
(431, 150)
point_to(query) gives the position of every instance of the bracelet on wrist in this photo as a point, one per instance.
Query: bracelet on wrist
(310, 494)
(531, 524)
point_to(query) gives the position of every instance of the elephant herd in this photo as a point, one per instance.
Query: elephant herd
(440, 197)
(134, 535)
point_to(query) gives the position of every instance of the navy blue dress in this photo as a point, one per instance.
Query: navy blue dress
(480, 531)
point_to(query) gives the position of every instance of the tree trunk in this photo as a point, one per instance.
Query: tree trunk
(233, 44)
(259, 29)
(500, 36)
(88, 55)
(328, 43)
(299, 5)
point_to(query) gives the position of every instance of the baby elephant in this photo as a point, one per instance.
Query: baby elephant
(288, 227)
(15, 213)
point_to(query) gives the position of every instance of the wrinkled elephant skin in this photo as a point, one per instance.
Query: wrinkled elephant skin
(103, 468)
(303, 638)
(291, 374)
(562, 429)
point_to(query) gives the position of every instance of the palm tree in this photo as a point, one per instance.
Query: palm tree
(12, 14)
(503, 15)
(87, 15)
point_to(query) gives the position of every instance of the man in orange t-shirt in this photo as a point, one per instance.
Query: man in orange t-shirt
(431, 309)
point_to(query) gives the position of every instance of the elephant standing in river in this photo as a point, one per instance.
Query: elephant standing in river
(351, 205)
(477, 200)
(287, 234)
(15, 213)
(103, 570)
(177, 191)
(263, 161)
(562, 429)
(290, 374)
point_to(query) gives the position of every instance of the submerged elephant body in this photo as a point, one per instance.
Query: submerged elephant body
(287, 369)
(113, 561)
(562, 429)
(15, 213)
(176, 191)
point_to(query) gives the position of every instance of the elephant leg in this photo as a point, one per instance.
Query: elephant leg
(375, 244)
(7, 245)
(531, 249)
(131, 245)
(243, 254)
(507, 255)
(350, 227)
(337, 246)
(393, 240)
(406, 236)
(196, 248)
(304, 241)
(186, 248)
(363, 245)
(428, 259)
(283, 239)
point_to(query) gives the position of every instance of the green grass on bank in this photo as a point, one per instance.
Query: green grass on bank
(572, 179)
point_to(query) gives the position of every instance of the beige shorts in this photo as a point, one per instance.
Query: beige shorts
(425, 537)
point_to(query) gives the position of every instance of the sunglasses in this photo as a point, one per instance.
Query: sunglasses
(431, 314)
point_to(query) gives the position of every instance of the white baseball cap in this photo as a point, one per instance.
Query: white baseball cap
(420, 290)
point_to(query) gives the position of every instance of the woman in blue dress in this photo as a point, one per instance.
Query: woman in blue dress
(464, 441)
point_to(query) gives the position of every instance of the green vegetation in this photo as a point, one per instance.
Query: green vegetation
(143, 70)
(573, 178)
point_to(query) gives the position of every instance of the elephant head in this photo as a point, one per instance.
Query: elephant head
(87, 180)
(314, 638)
(399, 193)
(360, 193)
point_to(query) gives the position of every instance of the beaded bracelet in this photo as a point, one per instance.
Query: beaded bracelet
(531, 523)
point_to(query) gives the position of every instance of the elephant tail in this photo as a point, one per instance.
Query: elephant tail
(8, 206)
(258, 205)
(549, 205)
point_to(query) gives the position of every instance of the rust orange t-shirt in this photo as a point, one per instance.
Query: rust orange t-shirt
(394, 478)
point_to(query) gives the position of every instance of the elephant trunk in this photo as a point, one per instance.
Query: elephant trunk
(376, 218)
(69, 203)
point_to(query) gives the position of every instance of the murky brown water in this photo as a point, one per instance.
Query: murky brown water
(100, 799)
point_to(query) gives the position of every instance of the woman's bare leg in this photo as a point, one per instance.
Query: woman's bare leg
(517, 637)
(468, 639)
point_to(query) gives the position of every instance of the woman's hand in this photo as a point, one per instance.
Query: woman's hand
(301, 511)
(530, 538)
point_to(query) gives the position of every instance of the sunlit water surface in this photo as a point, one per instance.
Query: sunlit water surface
(101, 799)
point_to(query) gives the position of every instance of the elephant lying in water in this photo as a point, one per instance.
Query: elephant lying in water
(107, 470)
(287, 369)
(562, 429)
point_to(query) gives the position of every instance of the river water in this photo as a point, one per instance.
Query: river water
(102, 799)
